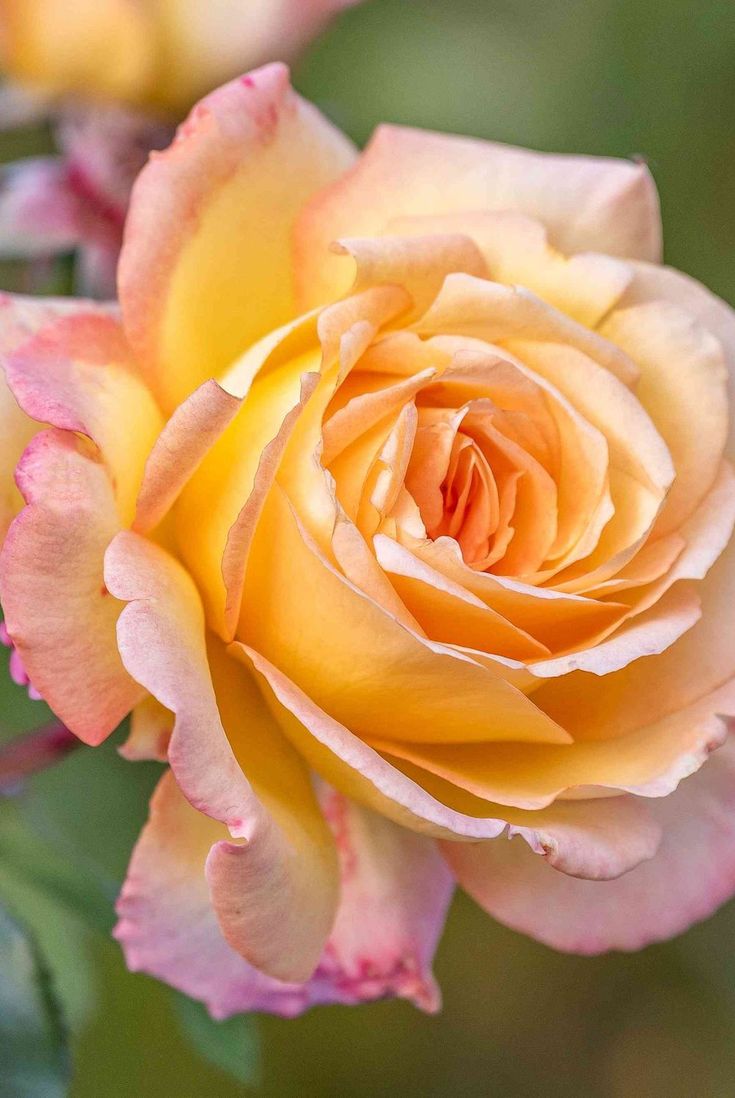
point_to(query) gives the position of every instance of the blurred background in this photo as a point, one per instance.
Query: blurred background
(616, 77)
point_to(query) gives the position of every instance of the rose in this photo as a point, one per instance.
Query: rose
(154, 53)
(438, 538)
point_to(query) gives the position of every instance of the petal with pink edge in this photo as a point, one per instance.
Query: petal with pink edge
(59, 614)
(77, 374)
(395, 890)
(275, 893)
(204, 270)
(20, 317)
(690, 876)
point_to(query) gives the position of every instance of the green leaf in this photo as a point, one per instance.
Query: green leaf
(34, 1061)
(73, 829)
(233, 1045)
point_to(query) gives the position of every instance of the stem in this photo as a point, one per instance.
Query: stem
(32, 752)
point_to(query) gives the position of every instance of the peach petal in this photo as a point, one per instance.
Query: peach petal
(241, 533)
(394, 889)
(286, 867)
(447, 611)
(358, 563)
(596, 840)
(350, 764)
(58, 611)
(555, 619)
(586, 203)
(682, 369)
(648, 634)
(690, 876)
(208, 234)
(365, 409)
(179, 450)
(654, 283)
(151, 725)
(417, 263)
(76, 374)
(576, 452)
(517, 252)
(650, 762)
(494, 313)
(359, 663)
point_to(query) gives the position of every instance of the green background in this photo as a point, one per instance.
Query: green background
(625, 77)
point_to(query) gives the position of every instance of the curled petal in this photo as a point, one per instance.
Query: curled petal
(690, 876)
(77, 375)
(394, 894)
(58, 611)
(586, 203)
(286, 864)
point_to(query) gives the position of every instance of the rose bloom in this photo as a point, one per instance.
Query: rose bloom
(385, 504)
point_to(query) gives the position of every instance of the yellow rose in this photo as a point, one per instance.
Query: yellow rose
(162, 54)
(437, 534)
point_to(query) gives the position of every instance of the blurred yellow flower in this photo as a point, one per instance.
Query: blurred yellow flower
(162, 54)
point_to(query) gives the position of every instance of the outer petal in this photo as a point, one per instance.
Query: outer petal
(57, 609)
(691, 875)
(205, 266)
(286, 868)
(20, 317)
(573, 841)
(77, 374)
(395, 891)
(587, 204)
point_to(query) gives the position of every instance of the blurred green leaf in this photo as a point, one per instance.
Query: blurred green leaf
(34, 1061)
(232, 1045)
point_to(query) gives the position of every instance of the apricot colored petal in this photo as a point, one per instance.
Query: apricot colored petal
(517, 251)
(357, 662)
(76, 374)
(287, 867)
(417, 263)
(58, 611)
(682, 368)
(395, 890)
(649, 762)
(204, 271)
(352, 766)
(646, 635)
(178, 451)
(447, 611)
(554, 619)
(690, 876)
(586, 203)
(559, 831)
(475, 307)
(151, 725)
(653, 283)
